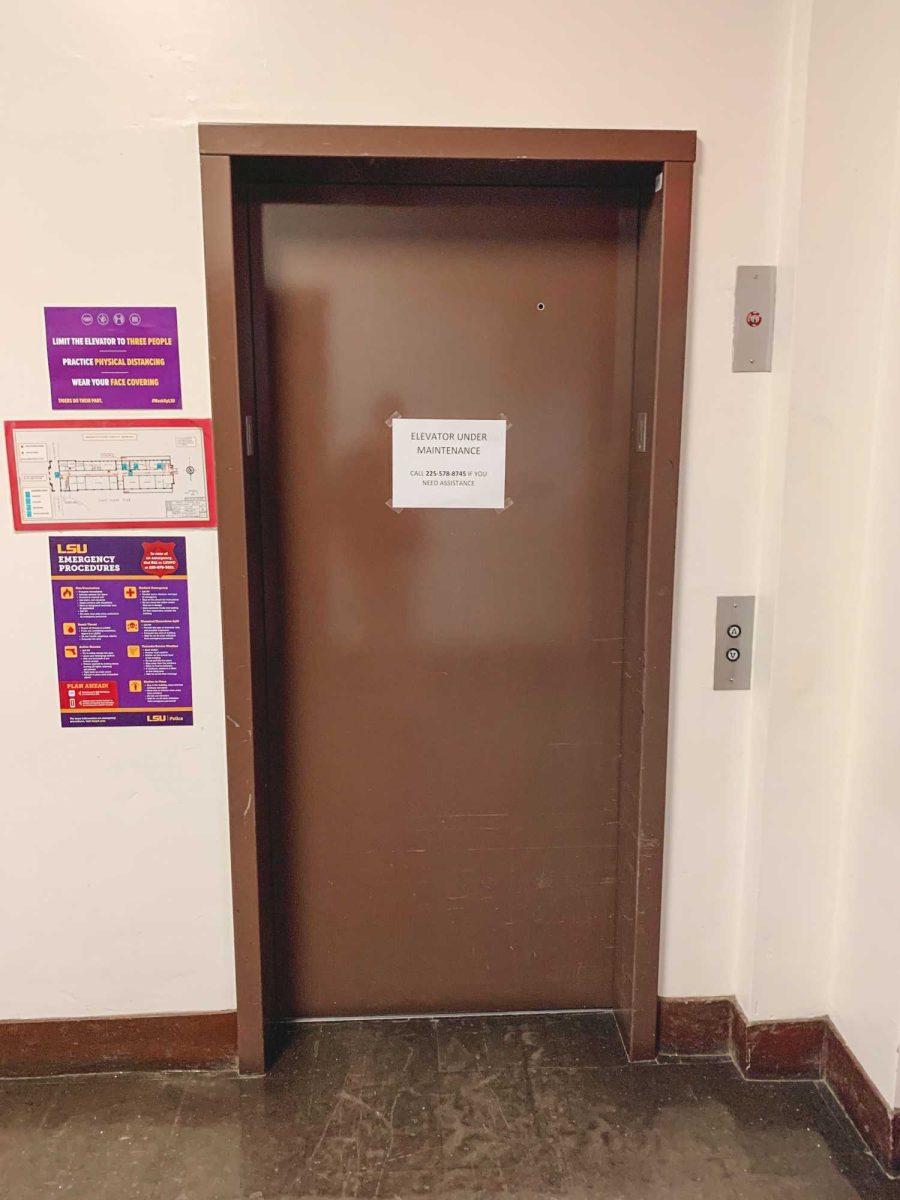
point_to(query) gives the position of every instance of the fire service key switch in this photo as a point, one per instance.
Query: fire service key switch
(754, 319)
(734, 643)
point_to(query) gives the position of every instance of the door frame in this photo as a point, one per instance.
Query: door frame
(227, 152)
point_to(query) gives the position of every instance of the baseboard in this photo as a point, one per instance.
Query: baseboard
(700, 1025)
(151, 1043)
(877, 1122)
(778, 1049)
(807, 1049)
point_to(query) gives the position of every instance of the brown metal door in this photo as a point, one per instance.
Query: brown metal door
(445, 685)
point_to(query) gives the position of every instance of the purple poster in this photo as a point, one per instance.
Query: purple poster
(120, 612)
(103, 358)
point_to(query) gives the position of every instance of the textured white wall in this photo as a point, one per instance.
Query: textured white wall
(864, 993)
(114, 863)
(819, 553)
(823, 853)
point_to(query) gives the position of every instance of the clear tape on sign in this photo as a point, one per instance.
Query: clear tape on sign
(389, 421)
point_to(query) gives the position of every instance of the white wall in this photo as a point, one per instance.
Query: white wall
(843, 218)
(116, 868)
(114, 861)
(771, 503)
(822, 854)
(865, 966)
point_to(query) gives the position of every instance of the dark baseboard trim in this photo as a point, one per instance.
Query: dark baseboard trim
(695, 1026)
(177, 1041)
(808, 1049)
(778, 1049)
(878, 1124)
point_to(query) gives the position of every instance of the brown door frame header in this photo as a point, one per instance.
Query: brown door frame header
(226, 151)
(404, 141)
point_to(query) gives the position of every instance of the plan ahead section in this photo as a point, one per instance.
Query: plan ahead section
(110, 474)
(120, 615)
(448, 463)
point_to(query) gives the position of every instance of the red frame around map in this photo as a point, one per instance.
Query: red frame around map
(202, 423)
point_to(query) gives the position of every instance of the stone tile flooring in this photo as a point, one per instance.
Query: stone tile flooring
(525, 1107)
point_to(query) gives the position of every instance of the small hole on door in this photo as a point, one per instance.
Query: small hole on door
(541, 306)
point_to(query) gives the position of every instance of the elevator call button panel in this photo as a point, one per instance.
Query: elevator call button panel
(734, 643)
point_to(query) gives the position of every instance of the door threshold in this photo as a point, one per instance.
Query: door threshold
(429, 1016)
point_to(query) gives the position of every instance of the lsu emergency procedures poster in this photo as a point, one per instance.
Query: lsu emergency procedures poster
(120, 614)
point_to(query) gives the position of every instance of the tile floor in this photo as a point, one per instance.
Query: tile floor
(457, 1108)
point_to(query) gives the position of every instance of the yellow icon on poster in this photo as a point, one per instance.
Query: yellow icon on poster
(66, 593)
(135, 685)
(132, 626)
(70, 651)
(134, 652)
(68, 627)
(130, 593)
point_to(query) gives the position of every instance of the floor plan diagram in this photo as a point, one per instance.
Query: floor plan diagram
(123, 474)
(108, 474)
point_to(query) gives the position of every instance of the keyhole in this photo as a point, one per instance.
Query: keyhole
(541, 306)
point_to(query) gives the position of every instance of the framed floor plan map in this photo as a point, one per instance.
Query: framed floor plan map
(117, 474)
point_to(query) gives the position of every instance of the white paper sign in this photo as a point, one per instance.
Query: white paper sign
(448, 464)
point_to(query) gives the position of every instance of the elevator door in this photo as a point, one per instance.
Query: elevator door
(444, 685)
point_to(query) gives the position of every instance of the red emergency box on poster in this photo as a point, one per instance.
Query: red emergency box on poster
(80, 695)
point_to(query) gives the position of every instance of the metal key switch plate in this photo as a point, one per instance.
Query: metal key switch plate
(734, 643)
(754, 319)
